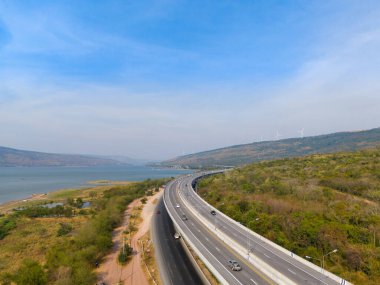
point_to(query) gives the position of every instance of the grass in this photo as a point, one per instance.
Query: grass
(67, 247)
(25, 240)
(311, 205)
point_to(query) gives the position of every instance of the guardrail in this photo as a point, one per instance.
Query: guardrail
(265, 268)
(268, 242)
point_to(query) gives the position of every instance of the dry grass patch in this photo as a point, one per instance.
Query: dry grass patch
(148, 259)
(31, 239)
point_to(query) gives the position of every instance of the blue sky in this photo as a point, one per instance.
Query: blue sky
(157, 79)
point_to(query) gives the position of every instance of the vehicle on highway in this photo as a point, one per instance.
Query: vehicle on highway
(177, 235)
(234, 265)
(212, 212)
(183, 217)
(158, 212)
(177, 206)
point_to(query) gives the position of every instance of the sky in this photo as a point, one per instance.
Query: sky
(159, 79)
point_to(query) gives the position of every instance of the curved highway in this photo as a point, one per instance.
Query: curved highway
(212, 248)
(181, 199)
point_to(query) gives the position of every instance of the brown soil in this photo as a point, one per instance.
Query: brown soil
(110, 271)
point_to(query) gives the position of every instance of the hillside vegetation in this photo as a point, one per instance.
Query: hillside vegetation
(63, 244)
(259, 151)
(310, 205)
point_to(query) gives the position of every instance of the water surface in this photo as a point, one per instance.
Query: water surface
(21, 182)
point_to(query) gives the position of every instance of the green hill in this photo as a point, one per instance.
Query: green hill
(15, 157)
(310, 205)
(248, 153)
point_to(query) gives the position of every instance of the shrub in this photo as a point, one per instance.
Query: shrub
(30, 273)
(125, 254)
(64, 229)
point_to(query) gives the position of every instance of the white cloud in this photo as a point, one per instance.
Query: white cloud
(336, 90)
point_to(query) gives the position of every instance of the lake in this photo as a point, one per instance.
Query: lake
(21, 182)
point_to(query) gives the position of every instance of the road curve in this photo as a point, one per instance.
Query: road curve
(180, 192)
(216, 252)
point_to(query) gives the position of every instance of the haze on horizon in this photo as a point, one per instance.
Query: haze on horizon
(157, 79)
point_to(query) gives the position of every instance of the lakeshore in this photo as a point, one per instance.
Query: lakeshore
(23, 183)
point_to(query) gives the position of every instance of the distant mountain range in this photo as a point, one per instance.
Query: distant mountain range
(126, 159)
(247, 153)
(14, 157)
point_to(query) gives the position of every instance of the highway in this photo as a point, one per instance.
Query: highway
(293, 271)
(216, 252)
(173, 263)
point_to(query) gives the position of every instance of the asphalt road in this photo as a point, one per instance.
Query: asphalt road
(174, 265)
(216, 251)
(282, 262)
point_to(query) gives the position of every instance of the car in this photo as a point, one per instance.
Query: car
(177, 206)
(158, 212)
(183, 217)
(177, 235)
(234, 265)
(212, 212)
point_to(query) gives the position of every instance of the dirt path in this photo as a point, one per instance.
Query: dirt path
(110, 271)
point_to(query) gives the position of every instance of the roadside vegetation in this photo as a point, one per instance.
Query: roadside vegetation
(62, 245)
(311, 206)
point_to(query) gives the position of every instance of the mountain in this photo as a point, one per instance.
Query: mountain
(126, 159)
(247, 153)
(16, 157)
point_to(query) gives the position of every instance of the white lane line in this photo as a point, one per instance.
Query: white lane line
(267, 255)
(217, 249)
(291, 271)
(199, 242)
(253, 281)
(264, 245)
(207, 239)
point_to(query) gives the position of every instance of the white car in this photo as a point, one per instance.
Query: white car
(234, 265)
(177, 235)
(177, 206)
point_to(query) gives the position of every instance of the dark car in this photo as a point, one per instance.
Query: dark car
(212, 212)
(158, 212)
(183, 217)
(234, 265)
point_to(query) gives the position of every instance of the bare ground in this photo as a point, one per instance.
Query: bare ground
(110, 271)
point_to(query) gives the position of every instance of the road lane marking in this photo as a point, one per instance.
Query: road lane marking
(228, 248)
(236, 255)
(217, 249)
(202, 225)
(253, 281)
(226, 271)
(265, 246)
(267, 255)
(291, 271)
